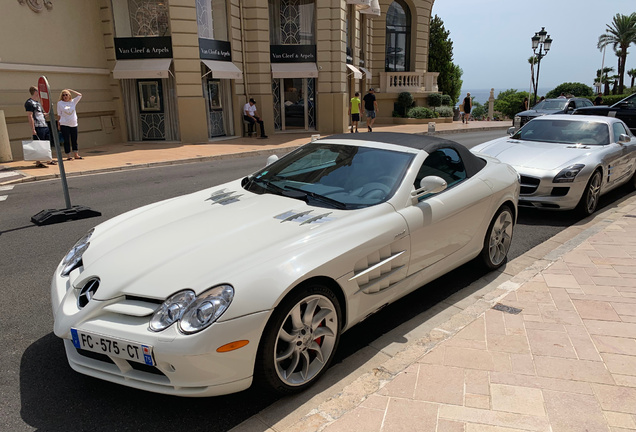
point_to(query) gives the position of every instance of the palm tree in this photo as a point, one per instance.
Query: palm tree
(603, 79)
(533, 61)
(620, 34)
(632, 73)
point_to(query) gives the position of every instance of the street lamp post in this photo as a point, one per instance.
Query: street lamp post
(541, 44)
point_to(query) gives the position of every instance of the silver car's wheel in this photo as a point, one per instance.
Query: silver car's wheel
(300, 340)
(589, 200)
(498, 239)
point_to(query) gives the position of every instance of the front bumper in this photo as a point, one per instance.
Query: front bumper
(539, 191)
(186, 365)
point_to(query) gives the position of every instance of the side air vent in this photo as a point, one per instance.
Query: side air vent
(304, 217)
(382, 269)
(224, 197)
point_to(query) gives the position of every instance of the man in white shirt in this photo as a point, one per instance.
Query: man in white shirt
(250, 114)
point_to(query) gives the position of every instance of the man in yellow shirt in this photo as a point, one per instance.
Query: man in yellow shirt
(354, 111)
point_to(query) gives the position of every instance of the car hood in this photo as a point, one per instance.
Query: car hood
(209, 235)
(537, 113)
(533, 154)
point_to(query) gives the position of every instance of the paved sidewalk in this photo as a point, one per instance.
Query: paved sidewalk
(560, 355)
(122, 156)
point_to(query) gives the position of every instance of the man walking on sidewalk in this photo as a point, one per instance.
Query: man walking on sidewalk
(371, 108)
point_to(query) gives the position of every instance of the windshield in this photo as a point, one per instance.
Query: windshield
(628, 102)
(564, 131)
(332, 175)
(551, 105)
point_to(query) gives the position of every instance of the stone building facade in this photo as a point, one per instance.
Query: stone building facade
(181, 70)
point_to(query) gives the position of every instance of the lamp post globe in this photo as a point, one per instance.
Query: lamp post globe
(541, 44)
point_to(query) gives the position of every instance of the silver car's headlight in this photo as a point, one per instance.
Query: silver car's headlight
(194, 313)
(567, 175)
(73, 258)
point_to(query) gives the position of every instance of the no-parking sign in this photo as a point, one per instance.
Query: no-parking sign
(45, 94)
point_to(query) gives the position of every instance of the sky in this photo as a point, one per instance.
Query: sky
(492, 40)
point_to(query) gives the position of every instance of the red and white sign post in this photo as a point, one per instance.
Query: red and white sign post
(51, 216)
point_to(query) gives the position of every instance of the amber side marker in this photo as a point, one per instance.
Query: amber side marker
(232, 346)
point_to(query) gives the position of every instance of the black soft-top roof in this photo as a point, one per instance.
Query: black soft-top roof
(427, 143)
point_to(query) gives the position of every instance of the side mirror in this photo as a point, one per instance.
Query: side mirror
(624, 138)
(271, 160)
(511, 130)
(430, 185)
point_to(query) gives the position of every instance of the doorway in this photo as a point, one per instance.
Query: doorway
(294, 103)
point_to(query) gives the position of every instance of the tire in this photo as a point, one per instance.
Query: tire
(589, 200)
(299, 340)
(498, 239)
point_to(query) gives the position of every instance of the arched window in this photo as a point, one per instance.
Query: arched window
(398, 37)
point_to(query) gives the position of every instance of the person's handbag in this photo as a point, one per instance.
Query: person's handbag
(36, 150)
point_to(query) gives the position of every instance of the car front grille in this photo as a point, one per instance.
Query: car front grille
(104, 358)
(529, 185)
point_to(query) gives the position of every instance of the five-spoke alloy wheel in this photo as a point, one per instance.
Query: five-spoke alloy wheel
(589, 200)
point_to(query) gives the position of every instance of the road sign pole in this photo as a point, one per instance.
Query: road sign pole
(60, 158)
(51, 216)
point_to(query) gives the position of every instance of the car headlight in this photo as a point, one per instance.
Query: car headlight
(567, 175)
(194, 313)
(74, 257)
(171, 310)
(206, 309)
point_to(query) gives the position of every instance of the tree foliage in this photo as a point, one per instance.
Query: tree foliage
(478, 111)
(440, 59)
(574, 89)
(620, 34)
(510, 102)
(434, 100)
(405, 101)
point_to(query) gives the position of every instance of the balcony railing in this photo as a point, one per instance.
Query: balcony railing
(413, 82)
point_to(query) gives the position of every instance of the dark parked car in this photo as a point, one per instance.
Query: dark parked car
(550, 106)
(624, 109)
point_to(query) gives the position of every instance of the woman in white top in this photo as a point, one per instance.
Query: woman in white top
(67, 124)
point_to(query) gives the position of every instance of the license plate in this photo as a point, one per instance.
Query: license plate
(124, 349)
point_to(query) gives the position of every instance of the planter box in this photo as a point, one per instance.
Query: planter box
(406, 121)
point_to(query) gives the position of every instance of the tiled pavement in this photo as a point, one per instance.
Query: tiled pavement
(566, 362)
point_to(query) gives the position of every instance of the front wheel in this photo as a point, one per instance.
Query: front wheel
(299, 341)
(498, 239)
(590, 197)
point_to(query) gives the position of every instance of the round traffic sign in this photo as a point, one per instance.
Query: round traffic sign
(45, 94)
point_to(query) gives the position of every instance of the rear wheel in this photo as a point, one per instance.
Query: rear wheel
(299, 341)
(591, 195)
(498, 238)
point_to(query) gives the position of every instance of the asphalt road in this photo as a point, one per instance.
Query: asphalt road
(41, 392)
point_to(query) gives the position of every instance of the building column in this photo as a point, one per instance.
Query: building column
(193, 124)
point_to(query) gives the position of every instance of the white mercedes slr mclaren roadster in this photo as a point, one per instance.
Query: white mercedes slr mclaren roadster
(256, 279)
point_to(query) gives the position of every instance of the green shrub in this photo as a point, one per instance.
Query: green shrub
(404, 102)
(396, 114)
(421, 113)
(610, 99)
(434, 100)
(447, 100)
(445, 111)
